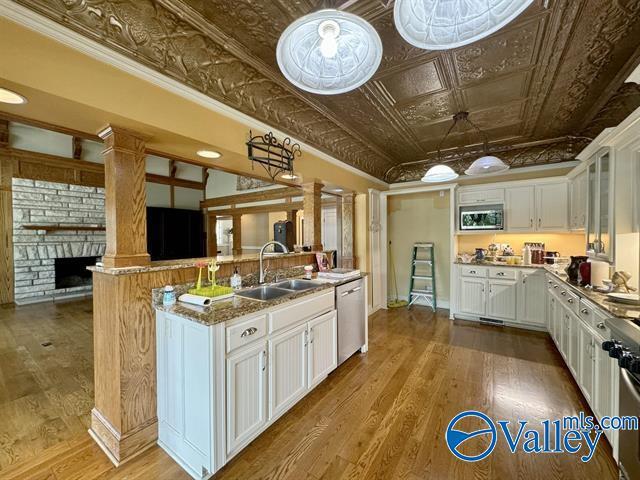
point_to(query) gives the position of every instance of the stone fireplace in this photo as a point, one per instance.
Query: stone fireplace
(50, 254)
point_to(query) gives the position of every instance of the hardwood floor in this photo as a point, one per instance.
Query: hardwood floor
(381, 415)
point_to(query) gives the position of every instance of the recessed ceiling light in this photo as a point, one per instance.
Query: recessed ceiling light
(289, 176)
(7, 96)
(338, 190)
(209, 154)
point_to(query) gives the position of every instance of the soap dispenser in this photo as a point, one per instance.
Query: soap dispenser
(236, 280)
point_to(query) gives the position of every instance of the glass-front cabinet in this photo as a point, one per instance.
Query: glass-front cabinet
(601, 204)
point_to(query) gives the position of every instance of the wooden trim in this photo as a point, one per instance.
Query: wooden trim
(6, 230)
(237, 234)
(264, 195)
(273, 207)
(77, 148)
(64, 228)
(4, 133)
(11, 117)
(175, 182)
(312, 206)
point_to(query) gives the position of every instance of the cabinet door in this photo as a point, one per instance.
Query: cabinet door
(502, 299)
(605, 207)
(605, 370)
(587, 362)
(578, 202)
(552, 207)
(592, 208)
(287, 369)
(520, 209)
(563, 334)
(554, 328)
(246, 395)
(531, 291)
(472, 296)
(323, 347)
(574, 343)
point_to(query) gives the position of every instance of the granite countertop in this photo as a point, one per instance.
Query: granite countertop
(191, 262)
(619, 310)
(500, 264)
(235, 307)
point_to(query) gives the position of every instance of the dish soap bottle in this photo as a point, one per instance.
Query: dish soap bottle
(236, 280)
(169, 296)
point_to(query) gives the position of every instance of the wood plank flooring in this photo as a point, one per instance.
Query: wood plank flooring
(379, 416)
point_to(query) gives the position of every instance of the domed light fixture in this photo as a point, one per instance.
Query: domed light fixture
(11, 97)
(329, 52)
(209, 154)
(445, 24)
(485, 165)
(439, 173)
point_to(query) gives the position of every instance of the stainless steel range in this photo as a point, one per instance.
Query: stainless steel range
(625, 347)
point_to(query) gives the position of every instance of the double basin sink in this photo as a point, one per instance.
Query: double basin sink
(265, 293)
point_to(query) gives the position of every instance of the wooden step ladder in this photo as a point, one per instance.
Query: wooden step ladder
(422, 284)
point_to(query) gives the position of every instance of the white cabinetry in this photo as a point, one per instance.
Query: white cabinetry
(531, 288)
(537, 208)
(472, 296)
(502, 300)
(520, 210)
(323, 347)
(551, 207)
(578, 201)
(600, 218)
(246, 395)
(587, 361)
(287, 369)
(480, 195)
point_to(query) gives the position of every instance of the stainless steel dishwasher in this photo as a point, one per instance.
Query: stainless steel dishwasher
(351, 318)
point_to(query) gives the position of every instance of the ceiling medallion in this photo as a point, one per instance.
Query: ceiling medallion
(329, 52)
(275, 157)
(445, 24)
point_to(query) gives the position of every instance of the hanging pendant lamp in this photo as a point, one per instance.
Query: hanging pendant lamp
(439, 173)
(445, 24)
(485, 165)
(329, 52)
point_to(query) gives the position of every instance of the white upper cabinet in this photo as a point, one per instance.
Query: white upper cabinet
(600, 226)
(578, 201)
(551, 207)
(475, 195)
(520, 209)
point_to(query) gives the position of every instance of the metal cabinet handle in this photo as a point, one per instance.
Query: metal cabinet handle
(264, 360)
(350, 292)
(570, 300)
(500, 274)
(532, 223)
(539, 222)
(601, 326)
(584, 311)
(563, 293)
(472, 272)
(555, 286)
(248, 332)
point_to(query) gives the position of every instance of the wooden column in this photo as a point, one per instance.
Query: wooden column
(292, 216)
(6, 226)
(125, 198)
(347, 260)
(312, 203)
(212, 236)
(237, 234)
(123, 420)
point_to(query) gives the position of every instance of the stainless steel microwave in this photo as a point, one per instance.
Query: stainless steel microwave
(481, 217)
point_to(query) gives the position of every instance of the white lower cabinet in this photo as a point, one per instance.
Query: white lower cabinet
(531, 290)
(472, 296)
(502, 299)
(323, 347)
(246, 395)
(586, 370)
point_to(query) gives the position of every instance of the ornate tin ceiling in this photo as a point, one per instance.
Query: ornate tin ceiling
(539, 87)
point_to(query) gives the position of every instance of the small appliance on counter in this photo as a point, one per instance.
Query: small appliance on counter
(573, 270)
(537, 252)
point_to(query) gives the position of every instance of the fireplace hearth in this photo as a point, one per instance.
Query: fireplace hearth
(72, 272)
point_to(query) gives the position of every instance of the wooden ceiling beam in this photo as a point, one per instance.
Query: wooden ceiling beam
(262, 196)
(273, 207)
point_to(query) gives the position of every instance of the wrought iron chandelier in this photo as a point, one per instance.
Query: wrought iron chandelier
(275, 157)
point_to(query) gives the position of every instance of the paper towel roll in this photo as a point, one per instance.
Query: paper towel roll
(194, 299)
(599, 272)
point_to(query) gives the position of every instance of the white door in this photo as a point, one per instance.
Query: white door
(502, 299)
(287, 369)
(323, 352)
(329, 228)
(587, 362)
(531, 291)
(246, 395)
(472, 296)
(551, 207)
(520, 209)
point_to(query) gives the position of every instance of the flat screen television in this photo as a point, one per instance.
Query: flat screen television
(173, 233)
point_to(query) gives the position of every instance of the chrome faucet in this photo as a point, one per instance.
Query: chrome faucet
(272, 242)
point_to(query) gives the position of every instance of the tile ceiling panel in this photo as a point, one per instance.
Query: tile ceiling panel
(549, 74)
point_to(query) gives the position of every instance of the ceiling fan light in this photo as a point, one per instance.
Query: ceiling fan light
(329, 52)
(445, 24)
(439, 173)
(486, 165)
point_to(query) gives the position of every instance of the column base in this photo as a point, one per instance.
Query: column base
(121, 448)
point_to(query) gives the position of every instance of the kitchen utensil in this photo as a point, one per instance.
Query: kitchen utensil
(480, 254)
(585, 274)
(573, 270)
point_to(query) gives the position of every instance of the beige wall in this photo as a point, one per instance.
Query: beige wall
(413, 218)
(565, 243)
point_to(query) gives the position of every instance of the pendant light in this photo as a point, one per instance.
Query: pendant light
(445, 24)
(439, 173)
(485, 165)
(329, 52)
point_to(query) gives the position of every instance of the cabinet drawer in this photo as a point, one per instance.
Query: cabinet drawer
(246, 332)
(481, 196)
(303, 310)
(503, 273)
(595, 318)
(469, 271)
(570, 300)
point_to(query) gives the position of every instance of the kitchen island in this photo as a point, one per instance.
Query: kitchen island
(226, 372)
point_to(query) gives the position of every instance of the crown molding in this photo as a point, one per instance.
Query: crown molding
(44, 26)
